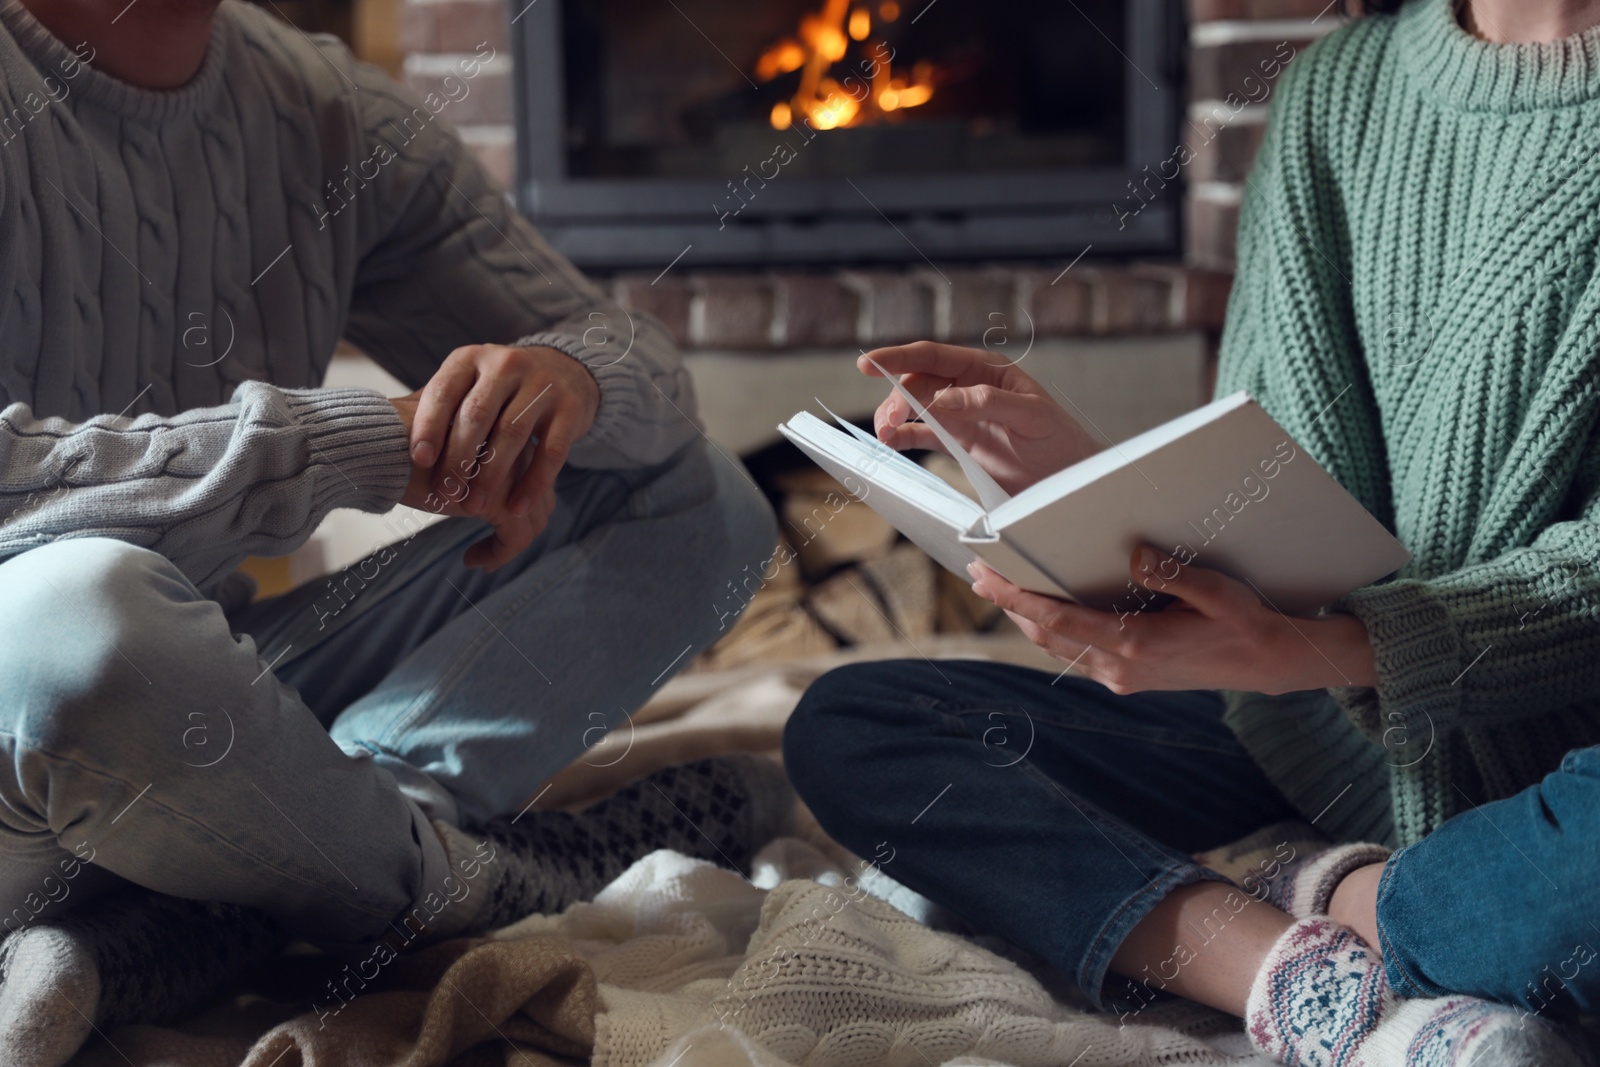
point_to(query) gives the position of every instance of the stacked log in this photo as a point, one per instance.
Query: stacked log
(841, 577)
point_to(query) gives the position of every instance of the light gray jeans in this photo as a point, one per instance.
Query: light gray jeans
(288, 756)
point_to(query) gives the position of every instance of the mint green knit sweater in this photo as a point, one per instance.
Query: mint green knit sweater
(1418, 304)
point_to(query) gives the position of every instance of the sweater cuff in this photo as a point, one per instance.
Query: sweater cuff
(1419, 657)
(359, 435)
(619, 386)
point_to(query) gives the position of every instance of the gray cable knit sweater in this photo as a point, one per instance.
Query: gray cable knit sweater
(176, 269)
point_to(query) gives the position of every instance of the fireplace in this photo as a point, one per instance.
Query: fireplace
(730, 132)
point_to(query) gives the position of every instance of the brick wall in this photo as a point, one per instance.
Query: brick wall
(437, 36)
(858, 308)
(1237, 48)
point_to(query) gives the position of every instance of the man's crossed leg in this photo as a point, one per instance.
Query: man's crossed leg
(293, 756)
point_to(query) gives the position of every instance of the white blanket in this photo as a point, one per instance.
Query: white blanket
(698, 966)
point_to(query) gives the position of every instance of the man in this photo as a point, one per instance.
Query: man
(196, 203)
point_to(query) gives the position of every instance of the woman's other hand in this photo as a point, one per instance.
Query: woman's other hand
(1216, 634)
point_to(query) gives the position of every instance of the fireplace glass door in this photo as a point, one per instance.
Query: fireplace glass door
(841, 129)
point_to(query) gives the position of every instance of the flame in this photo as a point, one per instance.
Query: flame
(899, 95)
(837, 108)
(822, 40)
(781, 58)
(825, 39)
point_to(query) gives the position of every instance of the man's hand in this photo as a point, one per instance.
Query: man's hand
(513, 533)
(1011, 425)
(1216, 635)
(502, 398)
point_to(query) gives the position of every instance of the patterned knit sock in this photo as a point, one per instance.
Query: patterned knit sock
(723, 810)
(1304, 887)
(134, 956)
(1322, 1000)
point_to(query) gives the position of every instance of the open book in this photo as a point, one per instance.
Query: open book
(1223, 487)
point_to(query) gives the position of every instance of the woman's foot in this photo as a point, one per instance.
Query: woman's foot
(723, 810)
(1322, 999)
(133, 956)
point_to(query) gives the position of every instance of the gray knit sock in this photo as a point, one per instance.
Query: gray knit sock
(133, 956)
(723, 810)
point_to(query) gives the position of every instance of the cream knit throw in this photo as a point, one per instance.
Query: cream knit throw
(696, 965)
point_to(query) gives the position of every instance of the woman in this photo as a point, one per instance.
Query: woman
(1417, 304)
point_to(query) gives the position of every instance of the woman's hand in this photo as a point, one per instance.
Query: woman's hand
(1011, 425)
(1217, 634)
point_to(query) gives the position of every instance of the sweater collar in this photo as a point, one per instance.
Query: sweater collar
(1457, 69)
(55, 59)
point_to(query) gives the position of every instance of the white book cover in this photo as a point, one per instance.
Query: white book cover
(1223, 487)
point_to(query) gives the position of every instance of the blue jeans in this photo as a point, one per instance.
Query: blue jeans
(1057, 815)
(1054, 814)
(1500, 901)
(290, 755)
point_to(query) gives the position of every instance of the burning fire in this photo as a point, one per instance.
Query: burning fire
(822, 41)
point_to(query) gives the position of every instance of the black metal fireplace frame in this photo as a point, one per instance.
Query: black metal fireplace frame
(649, 222)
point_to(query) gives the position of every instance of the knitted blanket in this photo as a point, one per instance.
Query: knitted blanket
(696, 965)
(680, 962)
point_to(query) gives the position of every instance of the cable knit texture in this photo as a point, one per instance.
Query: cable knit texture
(176, 269)
(1418, 305)
(697, 965)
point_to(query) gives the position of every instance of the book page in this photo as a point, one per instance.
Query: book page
(989, 492)
(871, 446)
(867, 462)
(932, 516)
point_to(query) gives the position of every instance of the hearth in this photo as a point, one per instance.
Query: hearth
(805, 131)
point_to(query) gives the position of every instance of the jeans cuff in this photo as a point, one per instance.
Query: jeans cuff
(435, 860)
(1401, 980)
(1096, 966)
(403, 928)
(422, 789)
